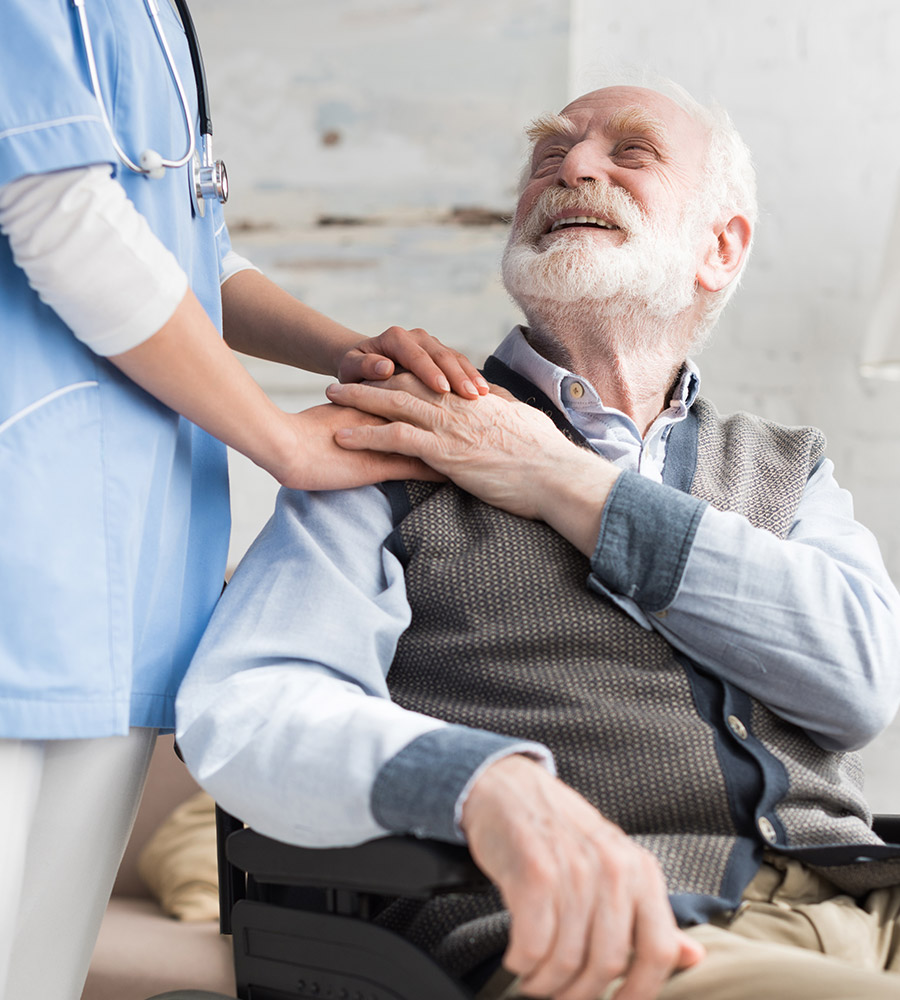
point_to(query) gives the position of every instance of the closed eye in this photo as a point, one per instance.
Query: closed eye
(635, 153)
(547, 165)
(548, 159)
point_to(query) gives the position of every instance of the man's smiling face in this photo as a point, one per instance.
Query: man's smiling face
(609, 209)
(633, 140)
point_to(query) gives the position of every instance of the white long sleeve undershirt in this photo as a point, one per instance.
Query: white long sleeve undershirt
(93, 258)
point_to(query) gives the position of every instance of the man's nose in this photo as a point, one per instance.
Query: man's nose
(583, 163)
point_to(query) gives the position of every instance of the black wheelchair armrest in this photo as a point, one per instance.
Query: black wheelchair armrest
(888, 828)
(391, 866)
(306, 919)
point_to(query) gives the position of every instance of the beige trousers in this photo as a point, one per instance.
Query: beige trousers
(794, 937)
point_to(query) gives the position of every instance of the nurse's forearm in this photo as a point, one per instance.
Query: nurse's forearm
(264, 321)
(188, 366)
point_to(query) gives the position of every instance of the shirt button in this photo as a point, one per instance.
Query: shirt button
(766, 829)
(576, 390)
(737, 727)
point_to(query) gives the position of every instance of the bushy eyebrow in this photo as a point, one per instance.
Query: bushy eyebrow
(631, 119)
(636, 119)
(550, 126)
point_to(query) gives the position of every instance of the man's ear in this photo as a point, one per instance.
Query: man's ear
(726, 252)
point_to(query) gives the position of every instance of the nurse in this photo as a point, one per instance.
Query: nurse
(117, 392)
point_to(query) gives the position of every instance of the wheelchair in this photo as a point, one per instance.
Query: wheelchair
(302, 918)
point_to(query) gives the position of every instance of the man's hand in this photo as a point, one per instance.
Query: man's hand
(505, 452)
(488, 446)
(588, 906)
(439, 367)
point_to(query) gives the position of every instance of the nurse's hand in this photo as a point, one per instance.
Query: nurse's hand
(264, 321)
(313, 461)
(187, 366)
(439, 367)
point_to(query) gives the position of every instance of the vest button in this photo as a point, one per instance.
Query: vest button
(576, 390)
(737, 727)
(766, 829)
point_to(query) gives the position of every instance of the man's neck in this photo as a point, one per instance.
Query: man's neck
(631, 362)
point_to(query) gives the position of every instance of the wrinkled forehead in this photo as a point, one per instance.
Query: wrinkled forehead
(617, 111)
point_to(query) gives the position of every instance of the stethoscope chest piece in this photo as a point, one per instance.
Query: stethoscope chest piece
(208, 180)
(210, 177)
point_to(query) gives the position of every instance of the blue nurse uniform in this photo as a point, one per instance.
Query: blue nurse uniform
(114, 509)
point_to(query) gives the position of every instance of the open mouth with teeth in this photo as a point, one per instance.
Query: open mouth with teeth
(587, 221)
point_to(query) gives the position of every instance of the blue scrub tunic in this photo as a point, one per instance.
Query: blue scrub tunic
(114, 513)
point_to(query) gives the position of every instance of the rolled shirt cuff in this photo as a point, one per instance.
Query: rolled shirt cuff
(421, 790)
(646, 535)
(232, 264)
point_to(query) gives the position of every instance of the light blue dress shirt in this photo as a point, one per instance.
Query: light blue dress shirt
(285, 715)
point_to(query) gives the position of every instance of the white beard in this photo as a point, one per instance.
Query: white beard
(647, 278)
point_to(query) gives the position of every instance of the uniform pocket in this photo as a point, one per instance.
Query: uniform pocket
(54, 613)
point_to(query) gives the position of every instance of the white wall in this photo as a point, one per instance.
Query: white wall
(398, 111)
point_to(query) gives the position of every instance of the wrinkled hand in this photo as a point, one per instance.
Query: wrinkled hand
(588, 906)
(313, 461)
(488, 446)
(504, 452)
(439, 367)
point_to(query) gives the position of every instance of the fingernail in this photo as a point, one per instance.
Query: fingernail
(469, 388)
(482, 383)
(443, 384)
(344, 433)
(383, 368)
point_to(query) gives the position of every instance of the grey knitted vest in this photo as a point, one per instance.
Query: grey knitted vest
(507, 637)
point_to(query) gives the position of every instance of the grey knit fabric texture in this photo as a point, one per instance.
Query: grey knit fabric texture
(507, 637)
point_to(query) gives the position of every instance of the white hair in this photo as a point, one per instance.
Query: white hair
(729, 181)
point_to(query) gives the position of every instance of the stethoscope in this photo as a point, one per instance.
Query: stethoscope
(209, 178)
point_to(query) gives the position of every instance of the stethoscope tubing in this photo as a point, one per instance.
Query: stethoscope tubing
(199, 69)
(196, 59)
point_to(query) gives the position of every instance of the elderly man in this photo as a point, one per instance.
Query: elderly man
(675, 610)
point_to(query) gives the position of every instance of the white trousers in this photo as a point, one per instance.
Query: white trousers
(66, 811)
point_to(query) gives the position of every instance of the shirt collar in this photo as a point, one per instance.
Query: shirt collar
(518, 354)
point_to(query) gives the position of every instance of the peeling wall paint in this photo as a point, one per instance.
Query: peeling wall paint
(372, 107)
